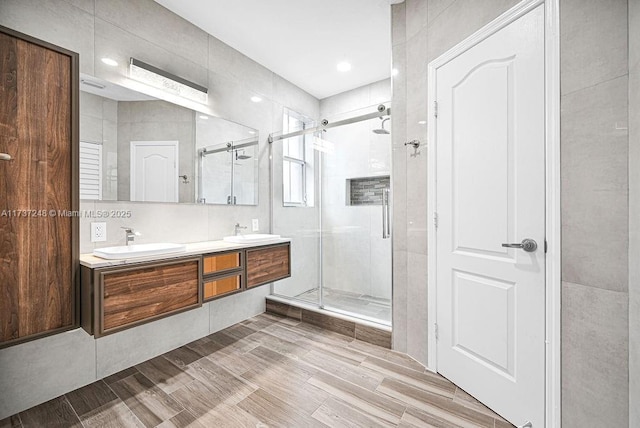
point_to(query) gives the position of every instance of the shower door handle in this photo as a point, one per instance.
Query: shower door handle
(386, 222)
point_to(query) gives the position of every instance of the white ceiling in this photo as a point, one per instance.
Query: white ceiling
(302, 40)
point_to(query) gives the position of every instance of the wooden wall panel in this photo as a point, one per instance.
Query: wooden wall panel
(38, 127)
(132, 295)
(10, 239)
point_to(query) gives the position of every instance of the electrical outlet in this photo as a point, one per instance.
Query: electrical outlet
(98, 232)
(254, 225)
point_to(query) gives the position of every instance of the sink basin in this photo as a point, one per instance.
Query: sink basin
(138, 250)
(251, 238)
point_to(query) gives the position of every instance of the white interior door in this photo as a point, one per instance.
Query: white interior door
(154, 171)
(490, 190)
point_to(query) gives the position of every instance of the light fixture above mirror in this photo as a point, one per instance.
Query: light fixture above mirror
(160, 79)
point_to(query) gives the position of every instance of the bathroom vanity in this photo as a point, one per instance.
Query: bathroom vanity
(120, 294)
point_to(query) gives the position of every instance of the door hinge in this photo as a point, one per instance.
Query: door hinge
(545, 246)
(435, 219)
(435, 109)
(436, 330)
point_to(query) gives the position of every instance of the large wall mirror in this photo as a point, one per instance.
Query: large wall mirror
(138, 148)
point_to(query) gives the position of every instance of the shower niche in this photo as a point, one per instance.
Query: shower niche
(367, 190)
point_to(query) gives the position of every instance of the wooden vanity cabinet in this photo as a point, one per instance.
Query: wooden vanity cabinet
(124, 296)
(39, 188)
(222, 274)
(268, 264)
(121, 297)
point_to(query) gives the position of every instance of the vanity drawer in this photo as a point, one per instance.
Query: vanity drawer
(220, 286)
(268, 264)
(221, 262)
(133, 295)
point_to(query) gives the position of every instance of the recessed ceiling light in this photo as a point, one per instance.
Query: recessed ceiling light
(202, 116)
(422, 122)
(256, 99)
(252, 132)
(394, 72)
(343, 66)
(110, 62)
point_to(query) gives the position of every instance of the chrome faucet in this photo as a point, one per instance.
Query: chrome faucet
(131, 235)
(237, 229)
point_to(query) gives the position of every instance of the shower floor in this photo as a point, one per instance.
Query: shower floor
(359, 305)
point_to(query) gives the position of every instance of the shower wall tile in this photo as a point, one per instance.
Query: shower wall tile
(417, 17)
(594, 42)
(595, 182)
(293, 97)
(594, 357)
(88, 6)
(239, 67)
(399, 306)
(398, 24)
(119, 44)
(417, 306)
(54, 21)
(86, 246)
(69, 363)
(118, 351)
(166, 29)
(459, 21)
(236, 308)
(634, 212)
(380, 92)
(436, 7)
(91, 105)
(344, 104)
(165, 223)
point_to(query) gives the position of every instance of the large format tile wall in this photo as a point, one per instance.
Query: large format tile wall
(634, 212)
(595, 215)
(39, 370)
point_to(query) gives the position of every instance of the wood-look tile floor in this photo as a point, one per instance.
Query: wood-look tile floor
(267, 372)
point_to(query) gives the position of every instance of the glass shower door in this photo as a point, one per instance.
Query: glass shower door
(355, 217)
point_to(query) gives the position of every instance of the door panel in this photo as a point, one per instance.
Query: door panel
(154, 171)
(482, 134)
(490, 190)
(38, 255)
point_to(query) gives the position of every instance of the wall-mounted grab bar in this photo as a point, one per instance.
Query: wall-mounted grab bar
(5, 157)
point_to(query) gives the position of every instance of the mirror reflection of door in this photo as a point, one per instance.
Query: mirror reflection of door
(154, 171)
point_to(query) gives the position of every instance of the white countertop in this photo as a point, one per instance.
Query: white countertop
(196, 248)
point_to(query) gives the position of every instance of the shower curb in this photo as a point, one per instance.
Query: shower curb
(357, 330)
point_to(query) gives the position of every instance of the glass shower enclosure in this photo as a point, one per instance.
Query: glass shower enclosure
(331, 196)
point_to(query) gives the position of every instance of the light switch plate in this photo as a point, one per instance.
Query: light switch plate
(255, 225)
(98, 232)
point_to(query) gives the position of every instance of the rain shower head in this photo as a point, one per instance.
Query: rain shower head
(381, 130)
(242, 156)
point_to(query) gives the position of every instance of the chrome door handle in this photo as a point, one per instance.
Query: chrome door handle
(5, 157)
(529, 245)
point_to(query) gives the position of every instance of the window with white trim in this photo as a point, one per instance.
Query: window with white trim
(297, 162)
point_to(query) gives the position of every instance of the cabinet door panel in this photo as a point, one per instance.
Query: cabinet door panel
(37, 122)
(219, 286)
(267, 264)
(134, 295)
(221, 262)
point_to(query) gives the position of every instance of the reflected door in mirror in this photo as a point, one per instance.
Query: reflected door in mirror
(154, 171)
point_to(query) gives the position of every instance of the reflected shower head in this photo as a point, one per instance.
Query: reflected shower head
(381, 130)
(242, 156)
